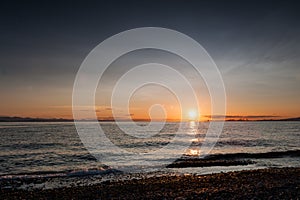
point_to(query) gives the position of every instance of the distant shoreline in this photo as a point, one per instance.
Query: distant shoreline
(30, 119)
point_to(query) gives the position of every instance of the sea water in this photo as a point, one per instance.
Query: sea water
(55, 149)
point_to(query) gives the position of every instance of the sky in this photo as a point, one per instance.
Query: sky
(255, 44)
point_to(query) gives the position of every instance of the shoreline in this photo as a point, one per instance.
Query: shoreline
(274, 183)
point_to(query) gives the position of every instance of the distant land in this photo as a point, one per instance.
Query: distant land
(30, 119)
(284, 119)
(287, 119)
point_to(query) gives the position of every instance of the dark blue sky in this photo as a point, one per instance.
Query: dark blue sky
(256, 45)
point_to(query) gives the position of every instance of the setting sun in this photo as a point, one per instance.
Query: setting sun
(193, 115)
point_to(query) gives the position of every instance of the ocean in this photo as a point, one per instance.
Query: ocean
(44, 150)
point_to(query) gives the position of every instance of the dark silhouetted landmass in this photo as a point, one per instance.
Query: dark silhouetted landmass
(291, 119)
(259, 120)
(29, 119)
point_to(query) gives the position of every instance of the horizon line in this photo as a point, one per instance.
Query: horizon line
(216, 118)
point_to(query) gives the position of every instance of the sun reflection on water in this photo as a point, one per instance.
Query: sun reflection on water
(194, 149)
(193, 152)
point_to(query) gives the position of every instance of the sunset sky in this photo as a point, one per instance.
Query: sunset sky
(256, 46)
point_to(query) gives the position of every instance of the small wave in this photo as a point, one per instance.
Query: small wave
(54, 174)
(208, 163)
(31, 146)
(244, 143)
(273, 154)
(229, 159)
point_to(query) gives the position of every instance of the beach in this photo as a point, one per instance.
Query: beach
(271, 183)
(251, 160)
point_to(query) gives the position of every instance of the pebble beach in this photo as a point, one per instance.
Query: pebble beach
(271, 183)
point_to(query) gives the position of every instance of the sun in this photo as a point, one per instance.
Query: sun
(193, 115)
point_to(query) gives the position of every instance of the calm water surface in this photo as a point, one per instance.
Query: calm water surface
(40, 148)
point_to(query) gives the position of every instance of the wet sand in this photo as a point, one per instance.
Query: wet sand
(274, 183)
